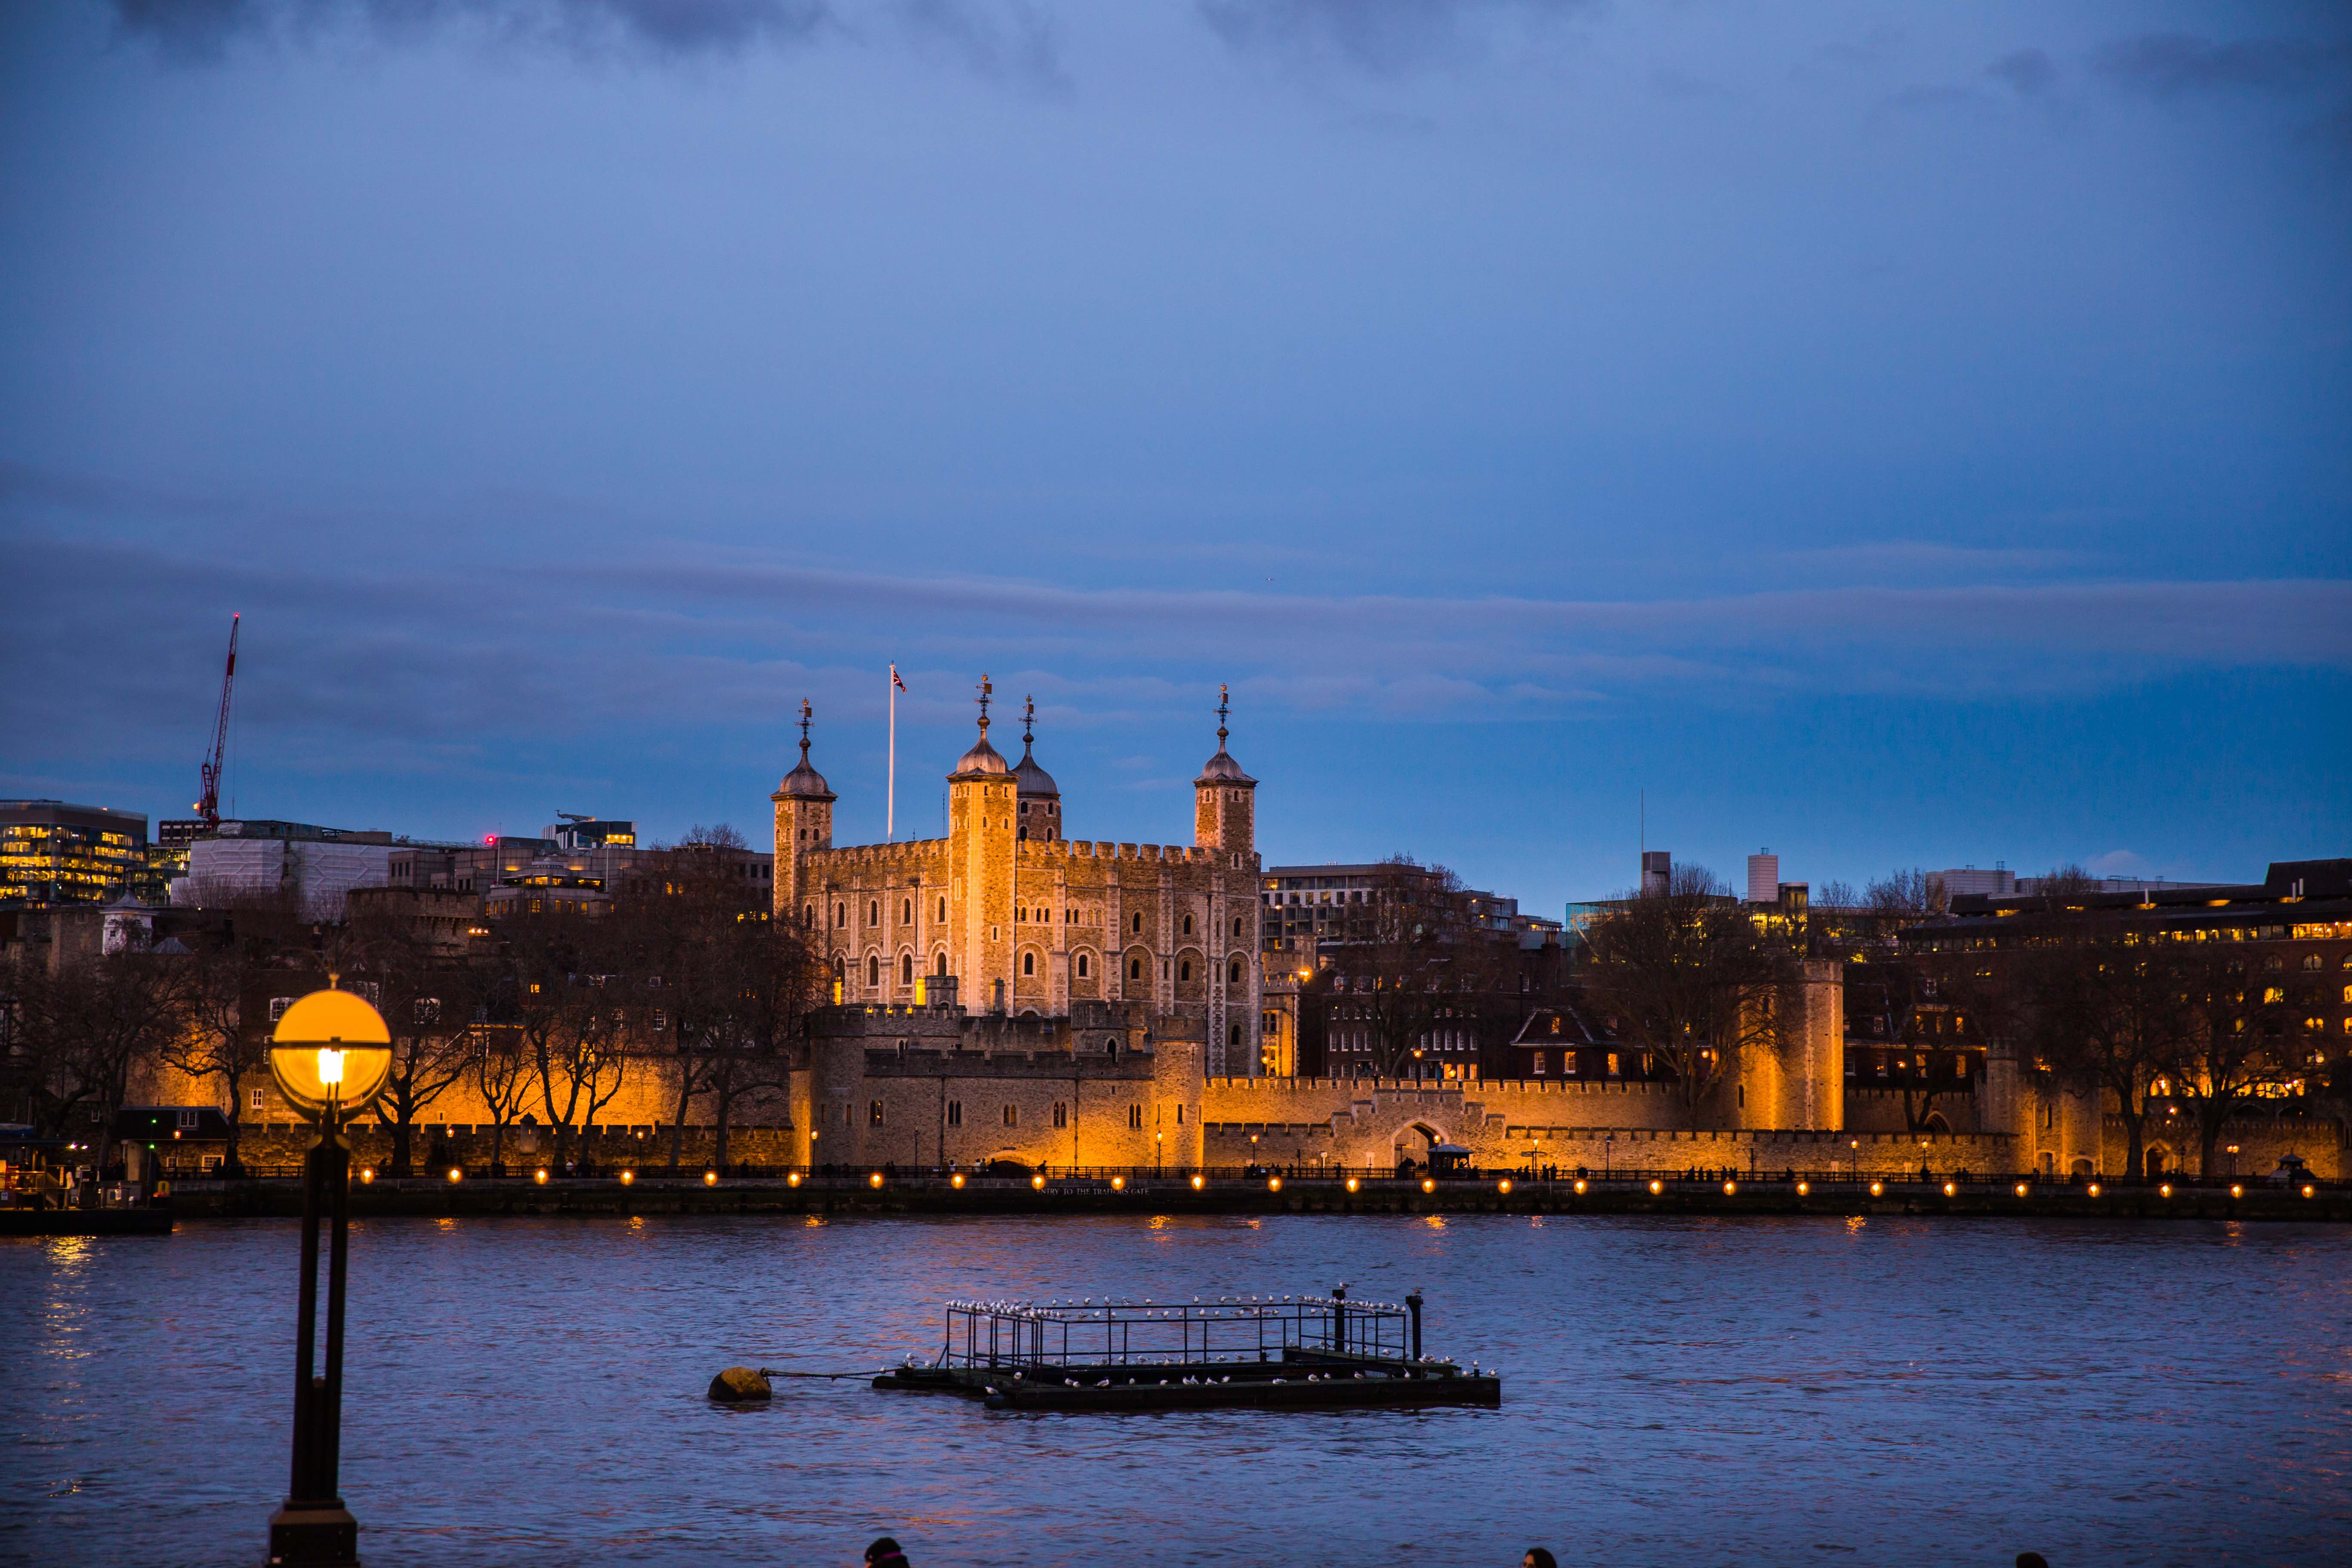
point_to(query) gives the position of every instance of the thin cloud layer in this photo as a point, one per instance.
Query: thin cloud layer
(1010, 39)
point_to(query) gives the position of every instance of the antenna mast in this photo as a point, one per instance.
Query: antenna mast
(209, 806)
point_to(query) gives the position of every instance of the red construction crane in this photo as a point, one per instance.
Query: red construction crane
(209, 807)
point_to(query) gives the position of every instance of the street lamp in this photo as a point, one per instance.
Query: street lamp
(330, 1056)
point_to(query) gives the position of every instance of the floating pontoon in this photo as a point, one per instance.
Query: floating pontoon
(1276, 1352)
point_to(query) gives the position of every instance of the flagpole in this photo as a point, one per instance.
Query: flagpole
(890, 810)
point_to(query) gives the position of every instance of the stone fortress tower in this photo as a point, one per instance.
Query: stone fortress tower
(1027, 921)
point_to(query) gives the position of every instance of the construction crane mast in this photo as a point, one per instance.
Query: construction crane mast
(208, 808)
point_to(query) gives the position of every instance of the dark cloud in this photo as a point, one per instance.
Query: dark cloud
(1384, 36)
(2177, 65)
(204, 30)
(2027, 72)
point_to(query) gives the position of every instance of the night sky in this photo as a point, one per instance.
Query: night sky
(1895, 434)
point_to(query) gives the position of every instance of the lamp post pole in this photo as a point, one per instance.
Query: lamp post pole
(314, 1529)
(328, 1055)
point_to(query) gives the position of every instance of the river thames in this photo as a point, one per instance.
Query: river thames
(1676, 1391)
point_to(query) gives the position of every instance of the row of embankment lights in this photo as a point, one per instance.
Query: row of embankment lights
(1428, 1185)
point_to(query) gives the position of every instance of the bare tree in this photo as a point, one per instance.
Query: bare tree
(257, 937)
(728, 986)
(1408, 962)
(2225, 1054)
(429, 1006)
(502, 1068)
(1690, 981)
(78, 1033)
(2104, 1012)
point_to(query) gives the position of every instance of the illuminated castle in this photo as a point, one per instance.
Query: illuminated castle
(1028, 920)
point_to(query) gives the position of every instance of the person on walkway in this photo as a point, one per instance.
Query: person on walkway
(885, 1553)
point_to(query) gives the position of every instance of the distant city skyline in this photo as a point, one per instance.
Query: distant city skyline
(1899, 437)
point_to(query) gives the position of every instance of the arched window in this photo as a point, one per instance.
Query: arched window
(1135, 969)
(873, 971)
(906, 912)
(837, 966)
(943, 909)
(1028, 963)
(1184, 970)
(1138, 923)
(1237, 925)
(1082, 966)
(1234, 1036)
(808, 916)
(1236, 976)
(840, 916)
(1187, 925)
(942, 965)
(874, 912)
(906, 969)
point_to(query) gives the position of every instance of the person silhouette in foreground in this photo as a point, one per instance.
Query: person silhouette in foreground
(1538, 1557)
(885, 1553)
(2032, 1560)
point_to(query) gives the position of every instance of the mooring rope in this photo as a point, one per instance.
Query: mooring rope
(783, 1371)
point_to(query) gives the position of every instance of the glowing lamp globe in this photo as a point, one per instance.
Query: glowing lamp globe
(330, 1051)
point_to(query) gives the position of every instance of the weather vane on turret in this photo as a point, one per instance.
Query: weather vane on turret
(986, 691)
(1029, 721)
(806, 711)
(1224, 706)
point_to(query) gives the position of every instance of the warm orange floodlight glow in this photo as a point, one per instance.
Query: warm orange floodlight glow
(1118, 1184)
(1579, 1187)
(1200, 1181)
(2309, 1190)
(2235, 1190)
(1878, 1189)
(709, 1178)
(875, 1180)
(791, 1178)
(1804, 1187)
(2094, 1189)
(1038, 1180)
(1657, 1187)
(456, 1174)
(539, 1176)
(627, 1177)
(2165, 1190)
(1274, 1183)
(2021, 1189)
(1428, 1185)
(1951, 1189)
(1503, 1185)
(1353, 1184)
(1729, 1188)
(956, 1181)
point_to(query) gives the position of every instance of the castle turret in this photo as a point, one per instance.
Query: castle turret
(1038, 810)
(1225, 799)
(804, 822)
(984, 800)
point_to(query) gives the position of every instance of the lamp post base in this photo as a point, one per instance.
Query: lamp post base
(310, 1535)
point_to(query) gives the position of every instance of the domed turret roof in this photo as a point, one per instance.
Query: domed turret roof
(1222, 768)
(983, 761)
(1035, 779)
(804, 782)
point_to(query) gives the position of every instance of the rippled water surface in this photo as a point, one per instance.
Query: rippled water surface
(1676, 1391)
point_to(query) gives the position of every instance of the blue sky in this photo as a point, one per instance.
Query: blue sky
(1898, 434)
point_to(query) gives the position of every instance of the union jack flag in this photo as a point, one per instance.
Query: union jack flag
(895, 680)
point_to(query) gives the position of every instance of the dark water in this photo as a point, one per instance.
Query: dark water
(1676, 1391)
